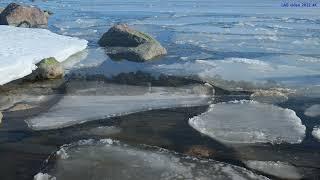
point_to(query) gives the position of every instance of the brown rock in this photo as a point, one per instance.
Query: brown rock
(200, 151)
(123, 42)
(23, 16)
(48, 68)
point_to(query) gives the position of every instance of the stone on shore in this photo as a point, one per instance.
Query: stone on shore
(1, 9)
(48, 68)
(122, 42)
(23, 16)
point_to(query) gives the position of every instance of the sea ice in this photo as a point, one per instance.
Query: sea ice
(41, 176)
(316, 133)
(313, 111)
(279, 169)
(22, 48)
(249, 122)
(109, 100)
(110, 159)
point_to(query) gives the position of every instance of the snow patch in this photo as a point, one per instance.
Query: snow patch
(22, 48)
(249, 122)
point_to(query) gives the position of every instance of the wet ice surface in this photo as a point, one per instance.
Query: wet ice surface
(250, 122)
(89, 159)
(278, 169)
(100, 100)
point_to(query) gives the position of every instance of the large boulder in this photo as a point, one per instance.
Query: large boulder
(48, 68)
(1, 9)
(23, 16)
(123, 42)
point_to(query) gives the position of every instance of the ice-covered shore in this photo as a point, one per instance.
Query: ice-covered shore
(22, 48)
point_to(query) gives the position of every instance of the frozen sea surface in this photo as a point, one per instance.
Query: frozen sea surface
(250, 122)
(89, 159)
(108, 100)
(278, 169)
(22, 48)
(264, 42)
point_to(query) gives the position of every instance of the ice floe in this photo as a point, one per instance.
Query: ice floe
(109, 100)
(41, 176)
(22, 48)
(250, 122)
(279, 169)
(107, 158)
(316, 133)
(313, 111)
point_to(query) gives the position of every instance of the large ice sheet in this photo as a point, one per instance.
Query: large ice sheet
(250, 122)
(92, 103)
(109, 159)
(279, 169)
(22, 48)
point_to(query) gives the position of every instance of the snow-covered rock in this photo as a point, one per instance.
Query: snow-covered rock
(313, 111)
(109, 100)
(110, 159)
(279, 169)
(249, 122)
(22, 48)
(316, 133)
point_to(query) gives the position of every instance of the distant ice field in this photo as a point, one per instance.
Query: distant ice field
(204, 38)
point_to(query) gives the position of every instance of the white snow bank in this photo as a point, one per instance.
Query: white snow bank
(22, 48)
(316, 133)
(279, 169)
(114, 100)
(110, 159)
(249, 122)
(313, 111)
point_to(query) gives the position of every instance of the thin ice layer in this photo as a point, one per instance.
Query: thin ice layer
(250, 122)
(279, 169)
(22, 48)
(109, 159)
(88, 104)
